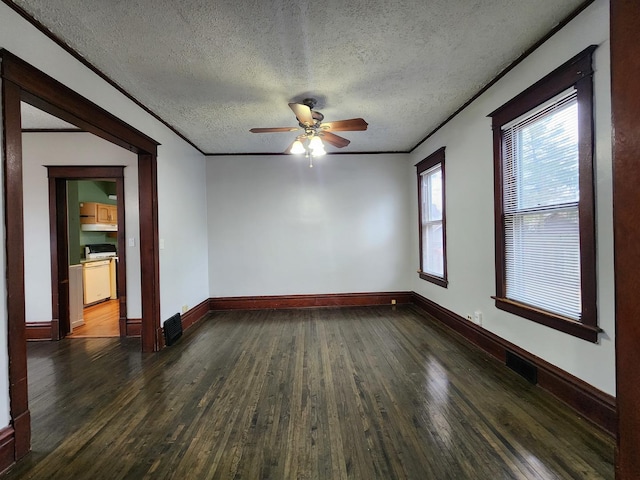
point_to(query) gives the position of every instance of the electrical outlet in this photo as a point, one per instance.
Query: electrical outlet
(477, 317)
(393, 301)
(185, 308)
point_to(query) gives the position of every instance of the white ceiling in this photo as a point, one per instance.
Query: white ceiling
(213, 70)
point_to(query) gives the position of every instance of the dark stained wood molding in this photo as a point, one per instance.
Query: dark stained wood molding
(14, 258)
(577, 72)
(39, 331)
(595, 405)
(511, 66)
(53, 130)
(195, 314)
(23, 82)
(7, 447)
(133, 327)
(430, 161)
(23, 13)
(51, 96)
(276, 154)
(625, 88)
(150, 258)
(308, 301)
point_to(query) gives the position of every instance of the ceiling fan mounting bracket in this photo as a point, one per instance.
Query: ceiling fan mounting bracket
(310, 102)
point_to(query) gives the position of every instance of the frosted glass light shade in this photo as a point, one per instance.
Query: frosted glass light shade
(297, 148)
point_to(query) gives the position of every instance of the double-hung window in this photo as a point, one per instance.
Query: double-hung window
(433, 252)
(545, 235)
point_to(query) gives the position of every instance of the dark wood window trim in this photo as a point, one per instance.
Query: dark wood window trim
(578, 73)
(431, 161)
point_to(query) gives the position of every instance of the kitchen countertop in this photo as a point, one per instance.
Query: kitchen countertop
(91, 260)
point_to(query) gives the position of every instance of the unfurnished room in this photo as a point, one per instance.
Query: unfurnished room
(320, 240)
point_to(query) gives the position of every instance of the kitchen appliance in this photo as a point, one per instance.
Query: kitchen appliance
(99, 272)
(100, 250)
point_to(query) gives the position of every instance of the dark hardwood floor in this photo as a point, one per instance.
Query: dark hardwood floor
(363, 393)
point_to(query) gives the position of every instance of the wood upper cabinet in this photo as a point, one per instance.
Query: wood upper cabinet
(92, 212)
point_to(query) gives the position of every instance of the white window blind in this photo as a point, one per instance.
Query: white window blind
(541, 194)
(432, 231)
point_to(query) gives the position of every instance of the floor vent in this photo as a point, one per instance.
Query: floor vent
(172, 329)
(522, 367)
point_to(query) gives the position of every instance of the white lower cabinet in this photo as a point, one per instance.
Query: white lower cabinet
(97, 281)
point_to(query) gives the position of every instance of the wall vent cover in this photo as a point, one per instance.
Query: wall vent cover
(172, 329)
(522, 367)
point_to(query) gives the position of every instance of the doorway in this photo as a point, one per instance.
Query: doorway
(105, 315)
(23, 82)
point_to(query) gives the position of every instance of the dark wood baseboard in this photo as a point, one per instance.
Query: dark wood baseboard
(308, 301)
(134, 327)
(195, 314)
(7, 447)
(595, 405)
(38, 331)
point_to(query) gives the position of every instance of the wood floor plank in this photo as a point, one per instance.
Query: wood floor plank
(351, 393)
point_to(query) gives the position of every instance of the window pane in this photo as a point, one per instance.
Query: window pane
(435, 194)
(543, 260)
(541, 194)
(548, 159)
(432, 251)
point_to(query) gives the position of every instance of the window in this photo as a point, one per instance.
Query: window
(544, 201)
(433, 251)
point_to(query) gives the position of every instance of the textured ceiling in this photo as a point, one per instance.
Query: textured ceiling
(213, 70)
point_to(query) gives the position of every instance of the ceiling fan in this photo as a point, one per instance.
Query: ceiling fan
(315, 131)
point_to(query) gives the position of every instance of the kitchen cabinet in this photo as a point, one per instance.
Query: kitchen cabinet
(98, 216)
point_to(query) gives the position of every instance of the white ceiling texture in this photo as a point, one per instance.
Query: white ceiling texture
(214, 69)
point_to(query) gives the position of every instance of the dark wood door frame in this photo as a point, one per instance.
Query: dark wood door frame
(625, 105)
(58, 224)
(23, 82)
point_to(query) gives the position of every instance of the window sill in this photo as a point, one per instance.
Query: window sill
(433, 279)
(557, 322)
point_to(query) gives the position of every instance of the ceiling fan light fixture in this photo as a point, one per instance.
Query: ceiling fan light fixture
(315, 143)
(297, 148)
(318, 151)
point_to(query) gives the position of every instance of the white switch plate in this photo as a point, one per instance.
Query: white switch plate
(132, 242)
(162, 244)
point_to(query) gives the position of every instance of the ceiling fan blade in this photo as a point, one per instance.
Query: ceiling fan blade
(274, 129)
(335, 140)
(351, 125)
(303, 113)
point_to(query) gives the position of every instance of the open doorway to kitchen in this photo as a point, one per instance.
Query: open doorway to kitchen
(88, 261)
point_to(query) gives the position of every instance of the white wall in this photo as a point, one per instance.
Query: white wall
(470, 237)
(278, 227)
(180, 170)
(40, 149)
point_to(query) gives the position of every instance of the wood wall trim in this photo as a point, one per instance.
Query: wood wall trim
(308, 301)
(595, 405)
(7, 446)
(625, 104)
(133, 327)
(46, 93)
(23, 82)
(195, 314)
(149, 257)
(39, 331)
